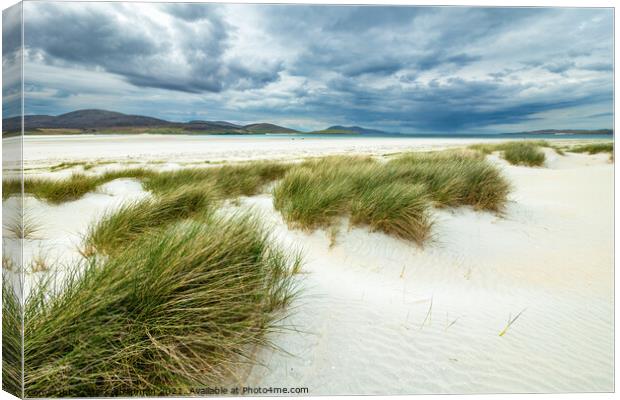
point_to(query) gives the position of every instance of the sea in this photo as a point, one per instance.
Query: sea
(503, 136)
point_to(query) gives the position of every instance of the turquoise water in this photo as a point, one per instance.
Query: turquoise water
(344, 136)
(439, 136)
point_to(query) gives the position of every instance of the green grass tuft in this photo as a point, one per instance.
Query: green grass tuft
(228, 181)
(593, 148)
(114, 230)
(524, 153)
(174, 309)
(10, 187)
(454, 179)
(65, 165)
(170, 298)
(11, 336)
(399, 209)
(393, 197)
(58, 191)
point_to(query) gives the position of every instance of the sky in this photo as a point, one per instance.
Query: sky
(400, 69)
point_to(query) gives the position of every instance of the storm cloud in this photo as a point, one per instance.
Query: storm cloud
(407, 69)
(177, 47)
(11, 61)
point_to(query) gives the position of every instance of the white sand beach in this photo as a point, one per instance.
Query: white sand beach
(379, 315)
(184, 149)
(188, 148)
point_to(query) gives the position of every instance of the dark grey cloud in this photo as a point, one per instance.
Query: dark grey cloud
(399, 68)
(559, 67)
(11, 61)
(11, 30)
(378, 66)
(358, 40)
(188, 54)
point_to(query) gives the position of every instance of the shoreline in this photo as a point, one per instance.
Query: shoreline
(46, 151)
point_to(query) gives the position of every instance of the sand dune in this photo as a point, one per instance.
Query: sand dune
(365, 314)
(382, 316)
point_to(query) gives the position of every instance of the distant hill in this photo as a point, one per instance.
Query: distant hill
(268, 128)
(82, 119)
(217, 123)
(103, 121)
(568, 132)
(212, 127)
(355, 130)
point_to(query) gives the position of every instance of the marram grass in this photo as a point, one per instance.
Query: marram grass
(174, 309)
(593, 148)
(74, 187)
(170, 297)
(10, 187)
(115, 229)
(11, 335)
(454, 179)
(393, 197)
(310, 194)
(399, 209)
(526, 153)
(242, 179)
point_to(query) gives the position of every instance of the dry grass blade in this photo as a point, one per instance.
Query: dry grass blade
(449, 325)
(510, 322)
(23, 227)
(429, 314)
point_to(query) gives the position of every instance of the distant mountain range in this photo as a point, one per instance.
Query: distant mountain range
(102, 121)
(91, 121)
